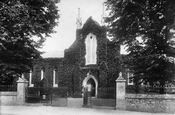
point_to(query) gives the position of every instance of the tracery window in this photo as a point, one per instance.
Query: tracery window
(91, 49)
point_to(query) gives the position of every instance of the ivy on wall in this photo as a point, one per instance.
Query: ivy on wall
(71, 70)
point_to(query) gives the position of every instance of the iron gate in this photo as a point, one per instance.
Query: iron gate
(106, 97)
(56, 96)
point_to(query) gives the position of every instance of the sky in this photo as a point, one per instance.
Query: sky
(65, 31)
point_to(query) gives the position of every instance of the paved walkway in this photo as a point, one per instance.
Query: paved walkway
(49, 110)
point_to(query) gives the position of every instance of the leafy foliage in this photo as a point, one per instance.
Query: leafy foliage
(20, 20)
(151, 57)
(113, 63)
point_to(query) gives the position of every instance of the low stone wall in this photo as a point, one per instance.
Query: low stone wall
(8, 98)
(15, 98)
(151, 103)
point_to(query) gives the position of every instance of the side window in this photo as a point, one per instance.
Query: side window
(42, 74)
(30, 79)
(55, 82)
(130, 78)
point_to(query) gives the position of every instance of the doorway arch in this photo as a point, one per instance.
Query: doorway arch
(90, 79)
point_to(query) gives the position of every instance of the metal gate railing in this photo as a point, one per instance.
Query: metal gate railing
(8, 87)
(106, 97)
(52, 96)
(37, 94)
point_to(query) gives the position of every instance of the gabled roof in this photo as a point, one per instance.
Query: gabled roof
(91, 26)
(48, 60)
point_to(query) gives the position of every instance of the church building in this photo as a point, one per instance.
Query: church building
(92, 60)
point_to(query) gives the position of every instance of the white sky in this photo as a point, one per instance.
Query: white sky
(66, 28)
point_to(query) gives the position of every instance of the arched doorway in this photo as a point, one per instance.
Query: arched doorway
(92, 81)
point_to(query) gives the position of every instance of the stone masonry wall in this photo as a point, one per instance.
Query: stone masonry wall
(8, 98)
(151, 103)
(15, 98)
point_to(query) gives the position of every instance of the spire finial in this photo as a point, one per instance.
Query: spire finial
(79, 20)
(78, 12)
(103, 15)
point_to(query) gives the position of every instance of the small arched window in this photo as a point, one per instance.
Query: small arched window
(130, 77)
(42, 73)
(30, 79)
(55, 81)
(91, 49)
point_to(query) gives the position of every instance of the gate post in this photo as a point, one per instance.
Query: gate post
(22, 84)
(87, 97)
(120, 92)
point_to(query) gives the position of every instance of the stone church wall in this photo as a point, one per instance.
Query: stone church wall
(72, 70)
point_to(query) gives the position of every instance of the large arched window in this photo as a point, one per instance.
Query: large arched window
(91, 49)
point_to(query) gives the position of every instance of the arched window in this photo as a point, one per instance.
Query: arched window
(55, 82)
(91, 49)
(130, 77)
(42, 73)
(30, 79)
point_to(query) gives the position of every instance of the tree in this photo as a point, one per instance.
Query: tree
(20, 20)
(113, 63)
(152, 56)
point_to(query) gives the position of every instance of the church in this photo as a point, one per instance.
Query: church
(92, 60)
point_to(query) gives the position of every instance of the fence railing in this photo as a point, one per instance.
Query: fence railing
(35, 94)
(61, 91)
(107, 92)
(8, 88)
(143, 89)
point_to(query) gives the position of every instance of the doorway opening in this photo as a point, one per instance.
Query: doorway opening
(91, 81)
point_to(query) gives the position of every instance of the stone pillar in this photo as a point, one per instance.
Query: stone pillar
(120, 92)
(87, 97)
(22, 84)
